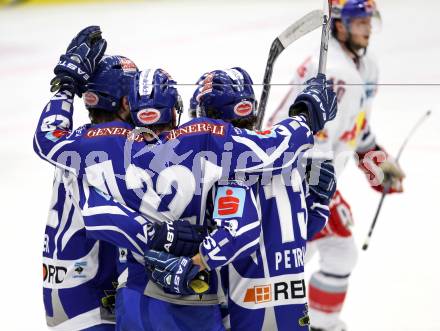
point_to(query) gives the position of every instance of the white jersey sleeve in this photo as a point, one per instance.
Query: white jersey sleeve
(370, 73)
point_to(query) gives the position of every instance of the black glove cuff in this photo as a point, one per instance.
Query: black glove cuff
(305, 108)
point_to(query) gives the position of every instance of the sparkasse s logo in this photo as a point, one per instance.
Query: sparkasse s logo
(229, 204)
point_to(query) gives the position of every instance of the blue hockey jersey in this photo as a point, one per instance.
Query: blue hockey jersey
(168, 178)
(77, 270)
(264, 260)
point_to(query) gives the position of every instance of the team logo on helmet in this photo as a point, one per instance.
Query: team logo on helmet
(127, 65)
(148, 116)
(91, 99)
(243, 108)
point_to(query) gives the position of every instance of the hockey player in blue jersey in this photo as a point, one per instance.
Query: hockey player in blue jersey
(85, 156)
(303, 213)
(192, 137)
(77, 271)
(80, 252)
(93, 160)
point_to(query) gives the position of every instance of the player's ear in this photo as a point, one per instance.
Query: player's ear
(124, 103)
(341, 30)
(124, 111)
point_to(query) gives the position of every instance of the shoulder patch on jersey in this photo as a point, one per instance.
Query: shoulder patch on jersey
(56, 134)
(263, 134)
(229, 202)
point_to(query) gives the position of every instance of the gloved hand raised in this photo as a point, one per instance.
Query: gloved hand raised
(317, 101)
(377, 160)
(75, 67)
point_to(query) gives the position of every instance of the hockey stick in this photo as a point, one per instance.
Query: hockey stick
(388, 184)
(306, 24)
(325, 36)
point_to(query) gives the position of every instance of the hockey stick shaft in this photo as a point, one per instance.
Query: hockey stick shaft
(416, 126)
(387, 185)
(303, 26)
(325, 37)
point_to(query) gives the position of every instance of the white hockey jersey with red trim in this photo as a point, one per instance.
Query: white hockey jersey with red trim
(355, 88)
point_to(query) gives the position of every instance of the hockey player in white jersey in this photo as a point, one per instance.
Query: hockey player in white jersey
(349, 134)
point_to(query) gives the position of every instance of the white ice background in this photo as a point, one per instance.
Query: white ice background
(396, 285)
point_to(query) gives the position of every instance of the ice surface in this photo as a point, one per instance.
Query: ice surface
(396, 284)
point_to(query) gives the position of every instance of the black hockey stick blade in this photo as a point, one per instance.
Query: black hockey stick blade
(387, 185)
(303, 26)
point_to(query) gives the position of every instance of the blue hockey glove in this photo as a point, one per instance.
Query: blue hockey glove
(322, 182)
(318, 101)
(180, 238)
(175, 274)
(78, 63)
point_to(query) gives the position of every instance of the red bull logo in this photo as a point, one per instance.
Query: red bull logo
(350, 136)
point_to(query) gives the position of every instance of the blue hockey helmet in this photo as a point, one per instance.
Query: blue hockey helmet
(229, 92)
(193, 109)
(109, 83)
(153, 97)
(345, 10)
